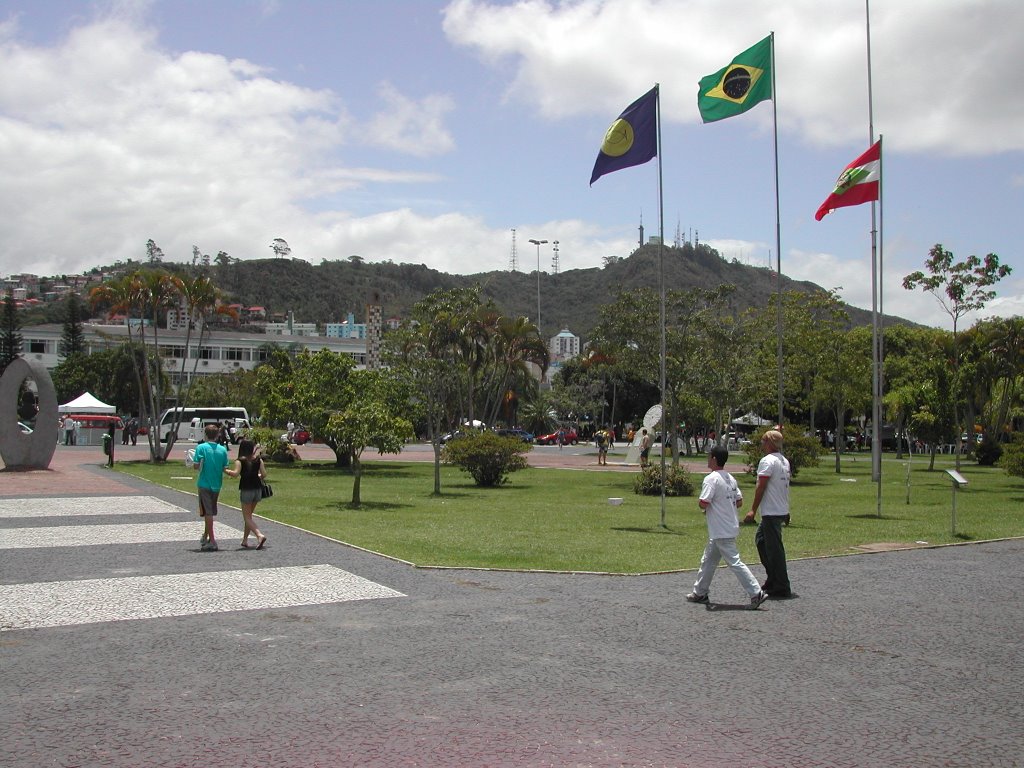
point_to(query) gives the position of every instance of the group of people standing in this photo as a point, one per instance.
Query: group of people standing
(720, 497)
(70, 429)
(130, 432)
(211, 461)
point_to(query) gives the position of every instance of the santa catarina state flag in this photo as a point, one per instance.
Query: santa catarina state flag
(858, 183)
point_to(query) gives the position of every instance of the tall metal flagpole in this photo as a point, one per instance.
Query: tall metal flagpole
(665, 431)
(778, 238)
(876, 301)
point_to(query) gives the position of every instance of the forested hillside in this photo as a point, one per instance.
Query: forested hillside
(329, 291)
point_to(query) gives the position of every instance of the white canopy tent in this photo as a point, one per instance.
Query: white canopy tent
(86, 403)
(750, 419)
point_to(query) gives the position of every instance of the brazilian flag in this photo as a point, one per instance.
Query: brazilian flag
(738, 87)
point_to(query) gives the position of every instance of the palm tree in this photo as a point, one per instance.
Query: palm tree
(200, 297)
(515, 345)
(120, 297)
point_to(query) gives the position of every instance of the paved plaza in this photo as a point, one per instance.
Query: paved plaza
(122, 644)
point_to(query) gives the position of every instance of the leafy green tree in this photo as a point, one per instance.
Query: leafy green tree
(368, 420)
(910, 354)
(108, 374)
(308, 388)
(845, 378)
(994, 367)
(1012, 459)
(460, 357)
(960, 288)
(72, 340)
(11, 340)
(629, 329)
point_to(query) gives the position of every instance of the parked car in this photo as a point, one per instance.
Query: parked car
(452, 436)
(299, 436)
(521, 434)
(569, 437)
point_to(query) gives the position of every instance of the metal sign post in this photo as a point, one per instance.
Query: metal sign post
(958, 481)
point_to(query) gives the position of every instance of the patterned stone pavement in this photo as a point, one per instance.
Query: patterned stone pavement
(311, 653)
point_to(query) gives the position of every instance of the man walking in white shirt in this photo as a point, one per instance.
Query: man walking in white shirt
(772, 497)
(720, 497)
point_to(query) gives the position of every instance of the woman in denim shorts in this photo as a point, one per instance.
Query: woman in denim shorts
(250, 471)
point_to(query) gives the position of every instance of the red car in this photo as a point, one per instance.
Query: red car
(568, 437)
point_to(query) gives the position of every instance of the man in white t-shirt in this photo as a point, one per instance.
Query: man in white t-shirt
(772, 498)
(720, 497)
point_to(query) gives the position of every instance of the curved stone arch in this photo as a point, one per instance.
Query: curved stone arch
(18, 450)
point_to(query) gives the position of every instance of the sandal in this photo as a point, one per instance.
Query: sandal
(245, 544)
(263, 540)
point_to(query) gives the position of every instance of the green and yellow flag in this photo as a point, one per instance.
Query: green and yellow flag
(738, 87)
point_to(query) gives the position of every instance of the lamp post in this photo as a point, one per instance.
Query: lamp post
(538, 243)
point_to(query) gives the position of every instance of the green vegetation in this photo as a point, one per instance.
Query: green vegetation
(561, 519)
(647, 482)
(487, 457)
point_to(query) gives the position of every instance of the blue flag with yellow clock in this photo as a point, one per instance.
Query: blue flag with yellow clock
(632, 139)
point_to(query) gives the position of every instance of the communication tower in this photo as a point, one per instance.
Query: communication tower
(554, 257)
(512, 256)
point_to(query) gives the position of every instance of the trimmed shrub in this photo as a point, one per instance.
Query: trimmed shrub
(1012, 459)
(988, 452)
(271, 446)
(488, 458)
(801, 450)
(648, 482)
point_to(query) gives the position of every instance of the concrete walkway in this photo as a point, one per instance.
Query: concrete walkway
(121, 644)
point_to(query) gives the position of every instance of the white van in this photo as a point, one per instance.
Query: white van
(197, 428)
(187, 416)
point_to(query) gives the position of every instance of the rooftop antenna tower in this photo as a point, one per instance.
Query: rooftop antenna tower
(641, 244)
(554, 257)
(512, 257)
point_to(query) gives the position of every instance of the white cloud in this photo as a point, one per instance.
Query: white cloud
(939, 69)
(106, 141)
(416, 128)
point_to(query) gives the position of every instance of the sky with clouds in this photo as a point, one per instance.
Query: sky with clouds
(426, 132)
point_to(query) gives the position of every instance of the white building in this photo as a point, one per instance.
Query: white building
(564, 346)
(349, 329)
(221, 352)
(290, 329)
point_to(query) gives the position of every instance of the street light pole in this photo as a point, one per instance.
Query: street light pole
(538, 243)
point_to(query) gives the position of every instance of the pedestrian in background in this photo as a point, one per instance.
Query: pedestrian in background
(645, 447)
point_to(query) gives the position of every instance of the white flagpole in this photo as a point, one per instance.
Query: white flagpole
(876, 299)
(778, 239)
(665, 432)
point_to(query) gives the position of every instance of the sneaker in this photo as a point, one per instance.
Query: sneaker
(210, 546)
(756, 600)
(693, 597)
(203, 539)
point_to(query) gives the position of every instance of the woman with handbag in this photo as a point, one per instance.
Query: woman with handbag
(250, 471)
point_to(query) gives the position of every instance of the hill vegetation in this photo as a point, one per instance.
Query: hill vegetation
(329, 291)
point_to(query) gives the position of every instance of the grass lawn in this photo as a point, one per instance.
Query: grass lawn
(553, 519)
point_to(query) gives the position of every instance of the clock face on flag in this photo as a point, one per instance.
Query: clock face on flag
(618, 139)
